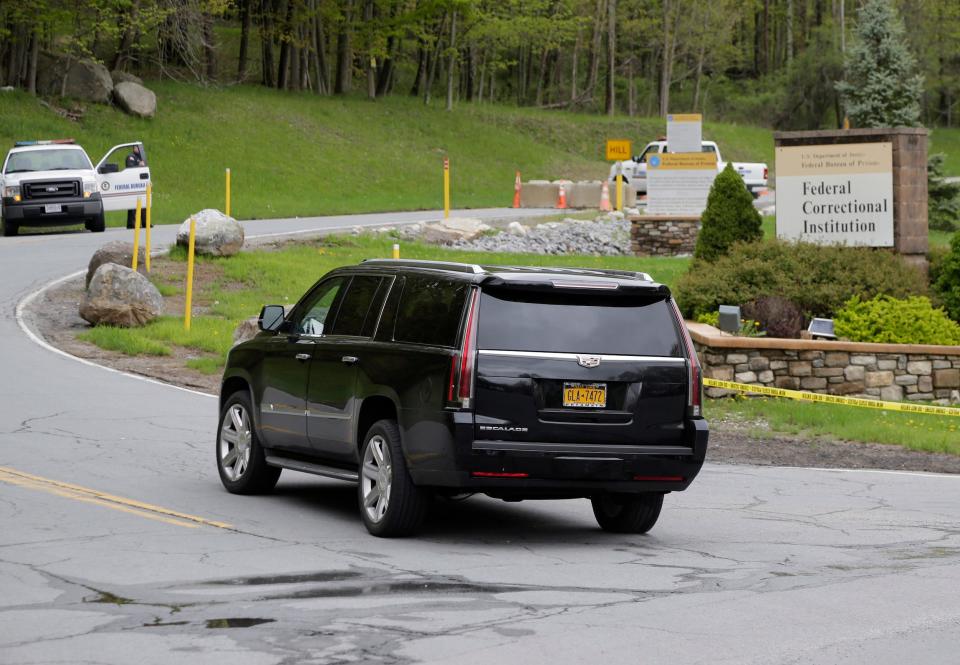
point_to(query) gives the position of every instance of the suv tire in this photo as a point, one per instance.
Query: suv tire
(390, 504)
(96, 224)
(10, 228)
(627, 513)
(240, 460)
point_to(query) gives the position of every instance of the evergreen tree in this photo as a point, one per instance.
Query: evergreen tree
(881, 86)
(943, 197)
(728, 218)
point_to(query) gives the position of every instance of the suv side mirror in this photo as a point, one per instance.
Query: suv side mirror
(109, 168)
(271, 317)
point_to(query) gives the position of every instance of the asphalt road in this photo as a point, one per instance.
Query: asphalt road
(118, 545)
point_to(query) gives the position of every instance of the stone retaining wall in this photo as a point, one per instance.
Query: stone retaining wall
(663, 236)
(892, 372)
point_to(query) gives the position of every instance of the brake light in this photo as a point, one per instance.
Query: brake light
(766, 171)
(460, 385)
(695, 387)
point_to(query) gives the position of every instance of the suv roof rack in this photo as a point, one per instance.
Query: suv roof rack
(435, 265)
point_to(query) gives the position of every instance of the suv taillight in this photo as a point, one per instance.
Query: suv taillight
(766, 172)
(460, 386)
(694, 374)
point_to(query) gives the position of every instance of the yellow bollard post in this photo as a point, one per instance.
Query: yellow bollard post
(396, 250)
(136, 236)
(228, 193)
(619, 191)
(188, 304)
(446, 187)
(146, 252)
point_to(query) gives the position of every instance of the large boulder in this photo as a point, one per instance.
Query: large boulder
(118, 296)
(119, 77)
(118, 252)
(217, 234)
(135, 99)
(453, 229)
(82, 79)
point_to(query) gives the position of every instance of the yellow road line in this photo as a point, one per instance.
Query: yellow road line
(833, 399)
(123, 504)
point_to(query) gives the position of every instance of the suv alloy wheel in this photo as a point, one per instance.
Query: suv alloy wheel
(390, 504)
(240, 460)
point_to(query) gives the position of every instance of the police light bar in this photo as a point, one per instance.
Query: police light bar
(20, 144)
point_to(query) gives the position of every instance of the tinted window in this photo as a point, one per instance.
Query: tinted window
(614, 325)
(389, 316)
(358, 306)
(430, 311)
(318, 309)
(652, 150)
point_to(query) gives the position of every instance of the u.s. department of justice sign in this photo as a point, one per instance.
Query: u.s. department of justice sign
(836, 194)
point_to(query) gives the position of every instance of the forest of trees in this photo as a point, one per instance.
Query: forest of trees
(771, 62)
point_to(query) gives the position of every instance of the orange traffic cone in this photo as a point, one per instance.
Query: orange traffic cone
(562, 199)
(516, 192)
(605, 197)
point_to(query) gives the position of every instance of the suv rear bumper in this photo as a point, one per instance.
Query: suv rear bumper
(33, 213)
(541, 469)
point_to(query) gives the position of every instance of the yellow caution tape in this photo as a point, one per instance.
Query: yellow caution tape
(905, 407)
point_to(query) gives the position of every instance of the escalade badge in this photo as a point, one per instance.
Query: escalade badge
(588, 361)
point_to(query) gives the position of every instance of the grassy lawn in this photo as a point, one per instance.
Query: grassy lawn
(297, 154)
(939, 434)
(245, 282)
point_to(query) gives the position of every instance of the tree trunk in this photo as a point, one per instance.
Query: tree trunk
(789, 32)
(266, 42)
(32, 65)
(666, 71)
(319, 56)
(453, 59)
(246, 17)
(573, 68)
(385, 76)
(209, 47)
(434, 58)
(483, 74)
(541, 77)
(595, 43)
(344, 79)
(611, 56)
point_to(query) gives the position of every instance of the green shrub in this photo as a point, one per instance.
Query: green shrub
(710, 318)
(947, 284)
(728, 218)
(820, 279)
(889, 320)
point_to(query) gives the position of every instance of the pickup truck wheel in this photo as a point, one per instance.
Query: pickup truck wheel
(627, 513)
(240, 459)
(96, 224)
(390, 504)
(10, 228)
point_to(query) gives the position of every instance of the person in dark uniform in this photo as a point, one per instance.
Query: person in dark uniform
(134, 160)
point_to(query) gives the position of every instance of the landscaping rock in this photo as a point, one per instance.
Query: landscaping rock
(217, 234)
(118, 296)
(135, 99)
(118, 252)
(453, 229)
(246, 329)
(121, 77)
(82, 79)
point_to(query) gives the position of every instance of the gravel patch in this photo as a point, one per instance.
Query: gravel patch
(605, 236)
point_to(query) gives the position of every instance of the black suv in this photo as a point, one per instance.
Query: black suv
(422, 378)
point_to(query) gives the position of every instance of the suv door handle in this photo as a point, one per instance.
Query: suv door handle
(302, 356)
(349, 360)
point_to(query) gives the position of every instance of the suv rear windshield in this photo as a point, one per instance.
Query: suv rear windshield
(577, 323)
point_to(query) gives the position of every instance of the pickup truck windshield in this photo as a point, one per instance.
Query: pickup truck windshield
(47, 160)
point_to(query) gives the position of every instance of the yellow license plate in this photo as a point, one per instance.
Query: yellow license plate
(585, 394)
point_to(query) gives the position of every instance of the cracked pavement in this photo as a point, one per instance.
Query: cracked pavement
(751, 565)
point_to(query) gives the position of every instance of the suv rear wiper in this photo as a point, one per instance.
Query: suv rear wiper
(21, 171)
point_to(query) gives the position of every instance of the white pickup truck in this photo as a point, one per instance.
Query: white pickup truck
(54, 183)
(635, 170)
